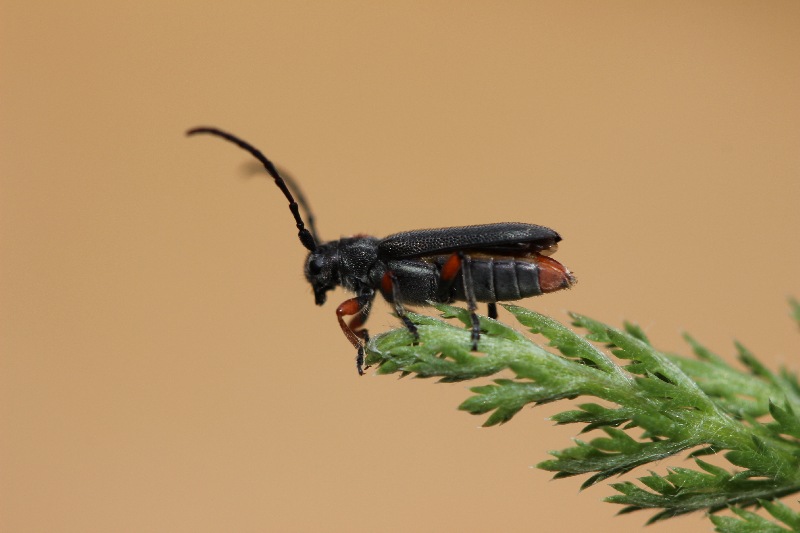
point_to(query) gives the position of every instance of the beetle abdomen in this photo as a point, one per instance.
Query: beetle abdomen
(496, 280)
(501, 279)
(509, 279)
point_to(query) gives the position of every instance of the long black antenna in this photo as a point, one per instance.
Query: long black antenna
(306, 237)
(254, 167)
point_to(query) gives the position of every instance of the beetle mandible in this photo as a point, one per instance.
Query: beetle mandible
(482, 263)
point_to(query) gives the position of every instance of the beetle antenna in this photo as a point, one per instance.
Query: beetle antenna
(307, 238)
(301, 199)
(255, 168)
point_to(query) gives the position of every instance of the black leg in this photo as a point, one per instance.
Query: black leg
(461, 262)
(492, 310)
(398, 306)
(469, 293)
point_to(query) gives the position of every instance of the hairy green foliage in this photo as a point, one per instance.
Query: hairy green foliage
(648, 406)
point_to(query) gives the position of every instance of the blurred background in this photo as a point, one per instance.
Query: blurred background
(163, 365)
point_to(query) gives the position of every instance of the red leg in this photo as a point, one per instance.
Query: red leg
(357, 324)
(355, 333)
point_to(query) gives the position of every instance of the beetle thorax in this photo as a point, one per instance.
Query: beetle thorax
(357, 255)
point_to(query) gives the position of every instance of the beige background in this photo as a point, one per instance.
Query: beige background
(163, 366)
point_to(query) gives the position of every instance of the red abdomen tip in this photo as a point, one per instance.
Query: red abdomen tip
(553, 276)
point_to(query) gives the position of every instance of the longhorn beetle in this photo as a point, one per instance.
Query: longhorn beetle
(482, 263)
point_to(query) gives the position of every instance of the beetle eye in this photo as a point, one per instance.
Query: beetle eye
(315, 267)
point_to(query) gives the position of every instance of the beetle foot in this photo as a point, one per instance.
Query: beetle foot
(411, 327)
(476, 330)
(360, 361)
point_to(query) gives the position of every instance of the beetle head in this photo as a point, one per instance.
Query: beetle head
(321, 271)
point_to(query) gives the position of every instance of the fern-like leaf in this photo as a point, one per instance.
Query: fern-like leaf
(648, 405)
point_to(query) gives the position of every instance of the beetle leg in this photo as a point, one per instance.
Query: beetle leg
(469, 293)
(492, 310)
(357, 326)
(391, 284)
(355, 333)
(460, 261)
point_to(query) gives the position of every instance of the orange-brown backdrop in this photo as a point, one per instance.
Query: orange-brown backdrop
(163, 366)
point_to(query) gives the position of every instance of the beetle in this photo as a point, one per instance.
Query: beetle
(481, 263)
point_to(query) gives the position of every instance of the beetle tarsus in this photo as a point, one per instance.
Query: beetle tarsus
(476, 331)
(360, 356)
(411, 327)
(360, 361)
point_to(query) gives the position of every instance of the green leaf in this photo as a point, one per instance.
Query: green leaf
(749, 523)
(787, 421)
(656, 406)
(783, 513)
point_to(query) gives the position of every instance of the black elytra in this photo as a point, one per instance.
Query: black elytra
(482, 263)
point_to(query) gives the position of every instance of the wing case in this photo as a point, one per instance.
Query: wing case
(504, 237)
